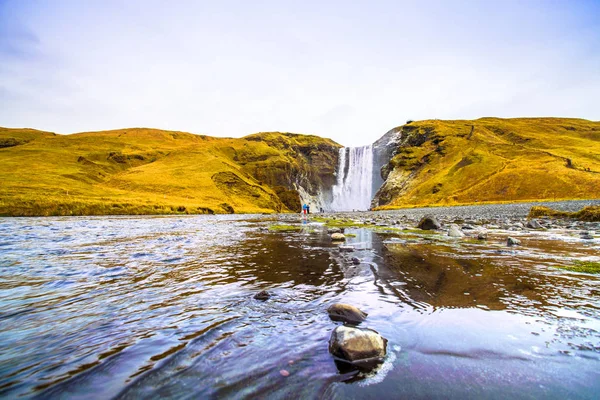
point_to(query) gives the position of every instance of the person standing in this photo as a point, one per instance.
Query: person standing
(308, 209)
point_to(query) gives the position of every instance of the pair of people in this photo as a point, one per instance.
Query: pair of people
(305, 209)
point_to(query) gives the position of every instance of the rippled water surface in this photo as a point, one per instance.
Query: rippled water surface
(148, 307)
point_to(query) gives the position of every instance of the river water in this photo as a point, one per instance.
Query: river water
(149, 307)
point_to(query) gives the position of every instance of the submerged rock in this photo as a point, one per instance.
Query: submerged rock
(364, 348)
(428, 223)
(511, 241)
(338, 236)
(355, 260)
(455, 231)
(346, 313)
(262, 295)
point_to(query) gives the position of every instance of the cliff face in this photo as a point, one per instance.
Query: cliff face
(300, 169)
(490, 160)
(149, 171)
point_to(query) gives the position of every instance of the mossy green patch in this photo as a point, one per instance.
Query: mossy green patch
(279, 227)
(589, 267)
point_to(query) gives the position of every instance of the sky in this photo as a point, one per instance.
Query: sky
(347, 70)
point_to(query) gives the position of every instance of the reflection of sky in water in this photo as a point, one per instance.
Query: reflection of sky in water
(166, 302)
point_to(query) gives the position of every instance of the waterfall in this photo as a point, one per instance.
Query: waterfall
(353, 189)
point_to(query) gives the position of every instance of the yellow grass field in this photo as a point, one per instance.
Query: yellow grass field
(149, 171)
(494, 160)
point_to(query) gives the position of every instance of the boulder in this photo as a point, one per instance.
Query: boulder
(511, 241)
(334, 230)
(355, 260)
(455, 231)
(482, 235)
(364, 348)
(346, 313)
(533, 224)
(262, 295)
(428, 223)
(338, 236)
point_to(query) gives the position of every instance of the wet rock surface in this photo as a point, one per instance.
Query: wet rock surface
(346, 313)
(262, 295)
(361, 347)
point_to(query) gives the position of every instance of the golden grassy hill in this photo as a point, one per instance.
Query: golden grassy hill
(150, 171)
(492, 160)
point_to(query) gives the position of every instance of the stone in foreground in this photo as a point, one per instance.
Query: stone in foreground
(346, 313)
(262, 295)
(429, 223)
(338, 236)
(363, 348)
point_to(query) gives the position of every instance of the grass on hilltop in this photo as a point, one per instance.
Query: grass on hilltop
(149, 171)
(493, 160)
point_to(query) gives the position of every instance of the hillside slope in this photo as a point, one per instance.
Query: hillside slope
(491, 160)
(149, 171)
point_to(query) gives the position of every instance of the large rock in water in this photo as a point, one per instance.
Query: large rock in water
(346, 313)
(364, 348)
(455, 231)
(429, 223)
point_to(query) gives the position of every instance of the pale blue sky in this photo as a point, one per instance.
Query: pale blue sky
(340, 69)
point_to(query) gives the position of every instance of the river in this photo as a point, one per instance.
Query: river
(149, 307)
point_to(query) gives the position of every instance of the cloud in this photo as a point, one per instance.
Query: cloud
(349, 71)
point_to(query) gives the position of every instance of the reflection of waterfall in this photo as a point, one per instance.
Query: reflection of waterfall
(353, 189)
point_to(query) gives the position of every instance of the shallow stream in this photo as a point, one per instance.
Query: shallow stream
(148, 307)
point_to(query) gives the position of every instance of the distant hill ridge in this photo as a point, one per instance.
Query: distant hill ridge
(432, 162)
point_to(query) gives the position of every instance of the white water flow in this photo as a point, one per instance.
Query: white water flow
(353, 189)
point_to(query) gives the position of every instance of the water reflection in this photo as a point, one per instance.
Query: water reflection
(163, 307)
